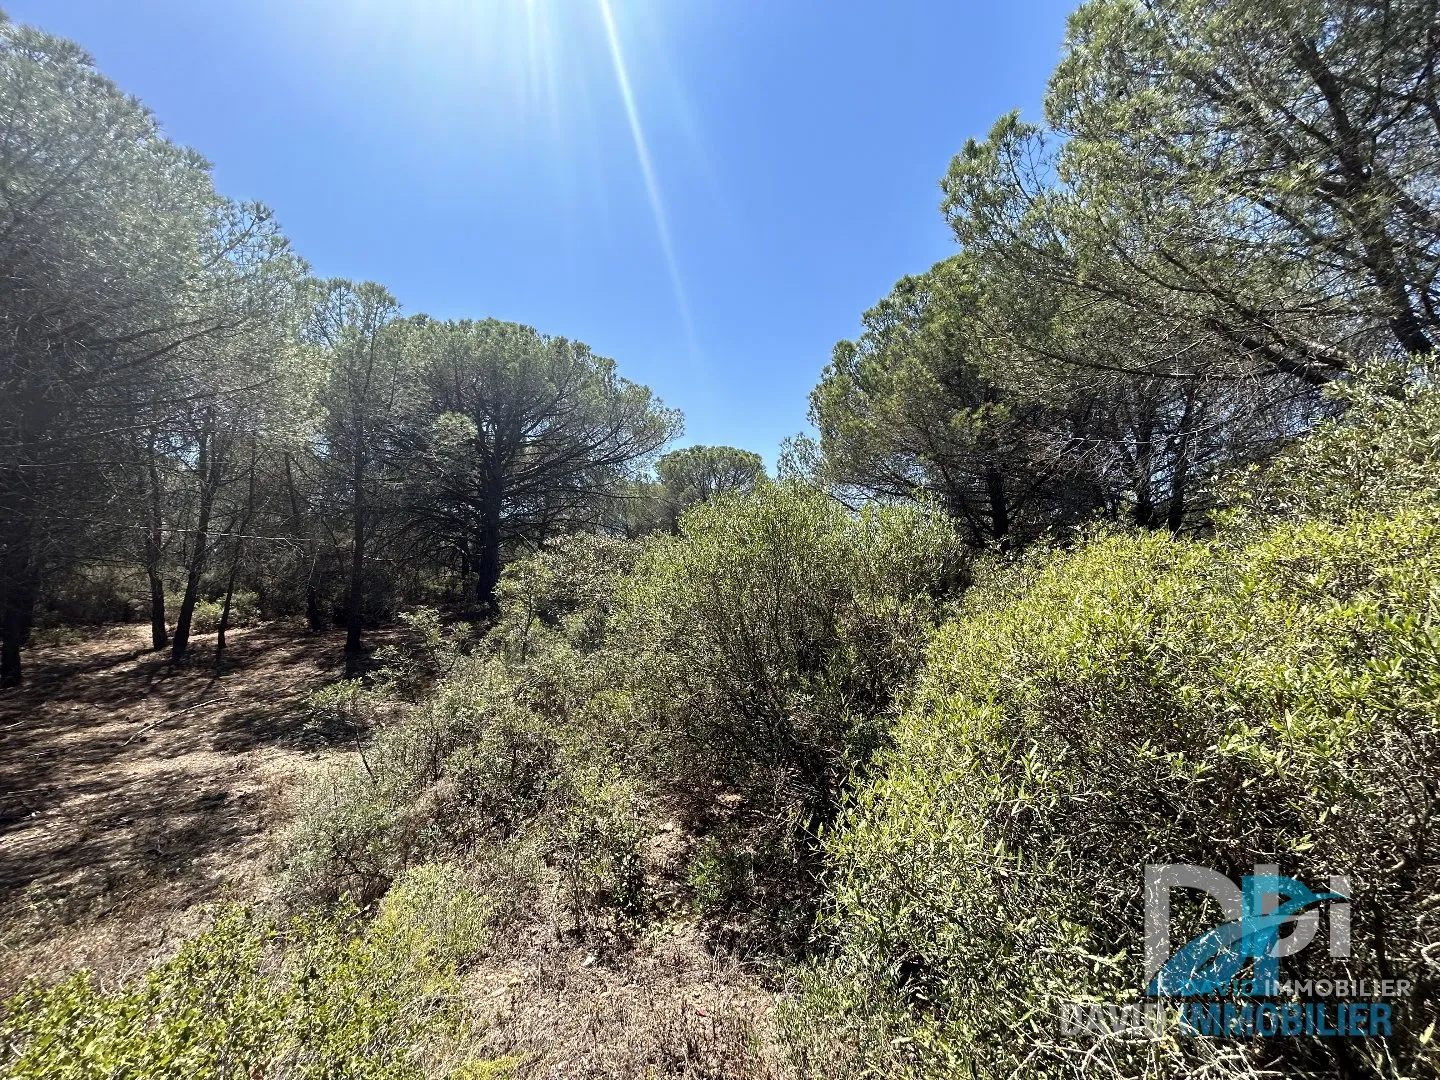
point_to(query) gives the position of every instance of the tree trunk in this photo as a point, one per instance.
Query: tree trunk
(355, 606)
(154, 550)
(1175, 516)
(209, 471)
(17, 574)
(487, 560)
(225, 611)
(238, 539)
(999, 508)
(1180, 471)
(159, 637)
(313, 616)
(18, 605)
(1145, 476)
(224, 623)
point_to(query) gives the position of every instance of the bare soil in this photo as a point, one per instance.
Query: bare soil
(133, 791)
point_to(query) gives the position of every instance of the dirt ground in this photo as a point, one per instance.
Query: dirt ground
(133, 791)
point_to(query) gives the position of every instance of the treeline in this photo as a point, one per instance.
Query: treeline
(1230, 205)
(187, 415)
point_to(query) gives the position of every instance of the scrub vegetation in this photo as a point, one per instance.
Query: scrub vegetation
(382, 699)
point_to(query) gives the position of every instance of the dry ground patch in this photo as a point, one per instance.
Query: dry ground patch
(133, 791)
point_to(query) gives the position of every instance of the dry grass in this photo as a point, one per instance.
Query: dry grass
(663, 1008)
(132, 792)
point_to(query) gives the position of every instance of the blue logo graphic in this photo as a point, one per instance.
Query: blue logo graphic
(1258, 913)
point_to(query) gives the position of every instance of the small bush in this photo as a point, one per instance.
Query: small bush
(569, 587)
(773, 635)
(244, 611)
(466, 765)
(425, 652)
(93, 595)
(592, 837)
(722, 873)
(501, 756)
(315, 996)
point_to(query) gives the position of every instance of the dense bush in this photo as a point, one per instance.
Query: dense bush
(465, 765)
(244, 611)
(313, 997)
(763, 648)
(1380, 454)
(502, 756)
(93, 595)
(1145, 700)
(772, 636)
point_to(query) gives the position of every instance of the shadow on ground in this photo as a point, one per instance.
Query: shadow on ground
(132, 788)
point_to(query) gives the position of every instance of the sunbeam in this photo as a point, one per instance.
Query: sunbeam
(647, 169)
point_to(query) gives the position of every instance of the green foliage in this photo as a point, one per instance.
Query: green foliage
(466, 764)
(425, 652)
(312, 997)
(592, 837)
(500, 760)
(763, 649)
(1271, 698)
(925, 402)
(525, 438)
(1267, 153)
(772, 635)
(722, 873)
(1381, 453)
(562, 593)
(244, 611)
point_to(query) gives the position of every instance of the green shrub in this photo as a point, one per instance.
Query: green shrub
(568, 588)
(244, 611)
(1380, 454)
(591, 836)
(722, 872)
(772, 635)
(504, 756)
(764, 647)
(88, 594)
(1143, 700)
(466, 765)
(250, 997)
(425, 651)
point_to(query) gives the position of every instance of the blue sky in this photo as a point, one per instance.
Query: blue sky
(479, 158)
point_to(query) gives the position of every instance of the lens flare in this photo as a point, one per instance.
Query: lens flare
(647, 169)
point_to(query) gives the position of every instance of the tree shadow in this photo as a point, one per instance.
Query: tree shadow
(122, 773)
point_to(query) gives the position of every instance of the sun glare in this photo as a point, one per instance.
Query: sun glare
(532, 71)
(647, 168)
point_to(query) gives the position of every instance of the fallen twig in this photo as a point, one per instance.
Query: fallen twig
(171, 716)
